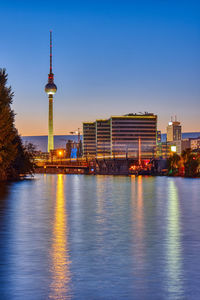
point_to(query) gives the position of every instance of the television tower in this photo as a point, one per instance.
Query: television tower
(50, 89)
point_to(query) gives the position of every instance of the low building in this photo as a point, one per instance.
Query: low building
(163, 150)
(158, 138)
(195, 143)
(185, 144)
(175, 146)
(58, 154)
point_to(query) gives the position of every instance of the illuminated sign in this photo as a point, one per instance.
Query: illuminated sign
(173, 148)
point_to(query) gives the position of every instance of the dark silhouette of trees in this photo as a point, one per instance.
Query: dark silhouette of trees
(191, 163)
(189, 160)
(15, 159)
(173, 164)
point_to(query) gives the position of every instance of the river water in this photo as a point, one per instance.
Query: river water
(100, 237)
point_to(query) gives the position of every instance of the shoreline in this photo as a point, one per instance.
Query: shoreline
(61, 171)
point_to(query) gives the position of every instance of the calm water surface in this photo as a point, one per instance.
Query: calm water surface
(100, 237)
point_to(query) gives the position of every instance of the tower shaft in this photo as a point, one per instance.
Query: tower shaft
(50, 131)
(50, 89)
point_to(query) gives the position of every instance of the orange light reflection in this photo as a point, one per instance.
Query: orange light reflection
(138, 216)
(59, 252)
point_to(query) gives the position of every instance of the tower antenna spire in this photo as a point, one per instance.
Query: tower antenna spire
(50, 51)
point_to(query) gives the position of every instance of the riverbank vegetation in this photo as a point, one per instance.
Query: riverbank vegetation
(16, 160)
(187, 164)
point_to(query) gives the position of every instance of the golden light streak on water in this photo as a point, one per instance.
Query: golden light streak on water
(138, 214)
(100, 200)
(174, 255)
(139, 207)
(139, 249)
(140, 197)
(59, 251)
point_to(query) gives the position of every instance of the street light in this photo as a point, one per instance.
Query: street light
(60, 154)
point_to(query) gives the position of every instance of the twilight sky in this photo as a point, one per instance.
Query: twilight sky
(110, 57)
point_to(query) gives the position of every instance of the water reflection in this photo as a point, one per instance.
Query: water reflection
(174, 255)
(140, 217)
(139, 249)
(137, 197)
(59, 252)
(100, 195)
(126, 238)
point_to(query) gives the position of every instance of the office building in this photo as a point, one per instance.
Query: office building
(174, 135)
(185, 144)
(103, 136)
(159, 139)
(89, 139)
(176, 145)
(129, 135)
(173, 131)
(195, 143)
(134, 133)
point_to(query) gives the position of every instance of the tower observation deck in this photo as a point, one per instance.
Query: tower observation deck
(50, 89)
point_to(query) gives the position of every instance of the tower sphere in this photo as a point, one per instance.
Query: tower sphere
(50, 88)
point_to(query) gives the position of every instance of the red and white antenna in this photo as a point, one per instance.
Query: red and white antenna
(51, 76)
(50, 51)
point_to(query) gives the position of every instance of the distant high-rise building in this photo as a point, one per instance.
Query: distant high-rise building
(174, 135)
(173, 131)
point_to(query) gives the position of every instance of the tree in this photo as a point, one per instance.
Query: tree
(24, 161)
(13, 155)
(173, 164)
(185, 154)
(191, 162)
(191, 165)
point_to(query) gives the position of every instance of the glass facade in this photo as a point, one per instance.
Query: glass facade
(121, 136)
(133, 134)
(89, 139)
(103, 136)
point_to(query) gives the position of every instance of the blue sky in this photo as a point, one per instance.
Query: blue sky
(109, 58)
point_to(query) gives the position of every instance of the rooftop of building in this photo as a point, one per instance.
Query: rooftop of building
(102, 120)
(139, 115)
(135, 116)
(146, 113)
